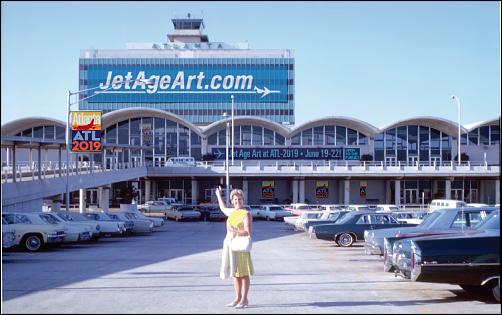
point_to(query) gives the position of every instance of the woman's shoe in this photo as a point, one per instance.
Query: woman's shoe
(232, 304)
(241, 305)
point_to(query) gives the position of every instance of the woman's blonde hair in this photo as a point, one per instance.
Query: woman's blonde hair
(237, 192)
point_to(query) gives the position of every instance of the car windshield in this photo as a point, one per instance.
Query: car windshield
(47, 218)
(492, 222)
(78, 216)
(430, 219)
(64, 216)
(275, 208)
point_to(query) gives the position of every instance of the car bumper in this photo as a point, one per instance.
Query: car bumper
(372, 249)
(53, 239)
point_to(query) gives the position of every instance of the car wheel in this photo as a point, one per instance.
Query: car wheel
(345, 240)
(496, 292)
(33, 243)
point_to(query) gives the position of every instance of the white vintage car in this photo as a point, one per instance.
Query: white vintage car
(73, 232)
(154, 206)
(140, 225)
(307, 216)
(69, 216)
(8, 235)
(273, 212)
(157, 222)
(33, 236)
(183, 213)
(108, 225)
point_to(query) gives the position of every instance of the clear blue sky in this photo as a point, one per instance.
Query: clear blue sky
(376, 61)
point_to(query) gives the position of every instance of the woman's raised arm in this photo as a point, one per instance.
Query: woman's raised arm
(221, 203)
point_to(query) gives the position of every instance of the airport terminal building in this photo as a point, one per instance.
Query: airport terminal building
(179, 113)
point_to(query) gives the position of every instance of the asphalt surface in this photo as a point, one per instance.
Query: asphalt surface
(176, 270)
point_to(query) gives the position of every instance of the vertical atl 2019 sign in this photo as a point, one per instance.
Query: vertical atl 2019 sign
(86, 131)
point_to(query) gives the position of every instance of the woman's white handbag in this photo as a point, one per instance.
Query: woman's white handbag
(241, 244)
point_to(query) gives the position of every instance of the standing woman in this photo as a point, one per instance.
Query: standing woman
(236, 264)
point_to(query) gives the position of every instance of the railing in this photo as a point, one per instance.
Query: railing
(51, 169)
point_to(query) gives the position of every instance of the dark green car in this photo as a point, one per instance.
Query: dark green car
(351, 227)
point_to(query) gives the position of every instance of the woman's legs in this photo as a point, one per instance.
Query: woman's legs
(245, 289)
(237, 288)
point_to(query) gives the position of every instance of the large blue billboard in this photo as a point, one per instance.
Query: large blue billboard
(188, 83)
(282, 153)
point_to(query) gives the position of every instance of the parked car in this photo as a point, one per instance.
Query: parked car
(211, 213)
(8, 235)
(33, 236)
(254, 210)
(154, 206)
(157, 222)
(185, 161)
(449, 221)
(73, 232)
(326, 218)
(351, 227)
(305, 217)
(298, 208)
(471, 260)
(414, 217)
(171, 202)
(437, 204)
(387, 208)
(108, 225)
(185, 212)
(76, 218)
(331, 207)
(140, 225)
(437, 220)
(360, 208)
(273, 212)
(291, 221)
(128, 223)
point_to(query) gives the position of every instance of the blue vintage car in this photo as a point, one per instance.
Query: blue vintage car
(440, 222)
(471, 260)
(351, 227)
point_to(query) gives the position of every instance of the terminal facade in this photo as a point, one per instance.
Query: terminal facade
(331, 160)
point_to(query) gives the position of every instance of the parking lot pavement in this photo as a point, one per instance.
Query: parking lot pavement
(176, 270)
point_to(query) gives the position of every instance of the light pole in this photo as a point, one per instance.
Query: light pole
(68, 105)
(453, 97)
(232, 97)
(227, 194)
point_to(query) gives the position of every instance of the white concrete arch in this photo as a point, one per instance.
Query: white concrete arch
(16, 126)
(495, 121)
(352, 123)
(137, 112)
(447, 126)
(246, 120)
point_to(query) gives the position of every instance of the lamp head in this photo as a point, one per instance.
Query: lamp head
(453, 97)
(224, 114)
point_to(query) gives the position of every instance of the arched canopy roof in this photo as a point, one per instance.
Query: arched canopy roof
(246, 120)
(352, 123)
(16, 126)
(495, 121)
(447, 126)
(137, 112)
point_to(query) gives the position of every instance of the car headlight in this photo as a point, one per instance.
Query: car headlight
(416, 261)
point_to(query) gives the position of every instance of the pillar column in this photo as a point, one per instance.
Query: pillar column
(346, 192)
(245, 189)
(59, 160)
(497, 191)
(14, 173)
(387, 192)
(82, 201)
(295, 191)
(447, 189)
(195, 191)
(147, 190)
(106, 198)
(301, 182)
(100, 197)
(434, 188)
(397, 192)
(39, 162)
